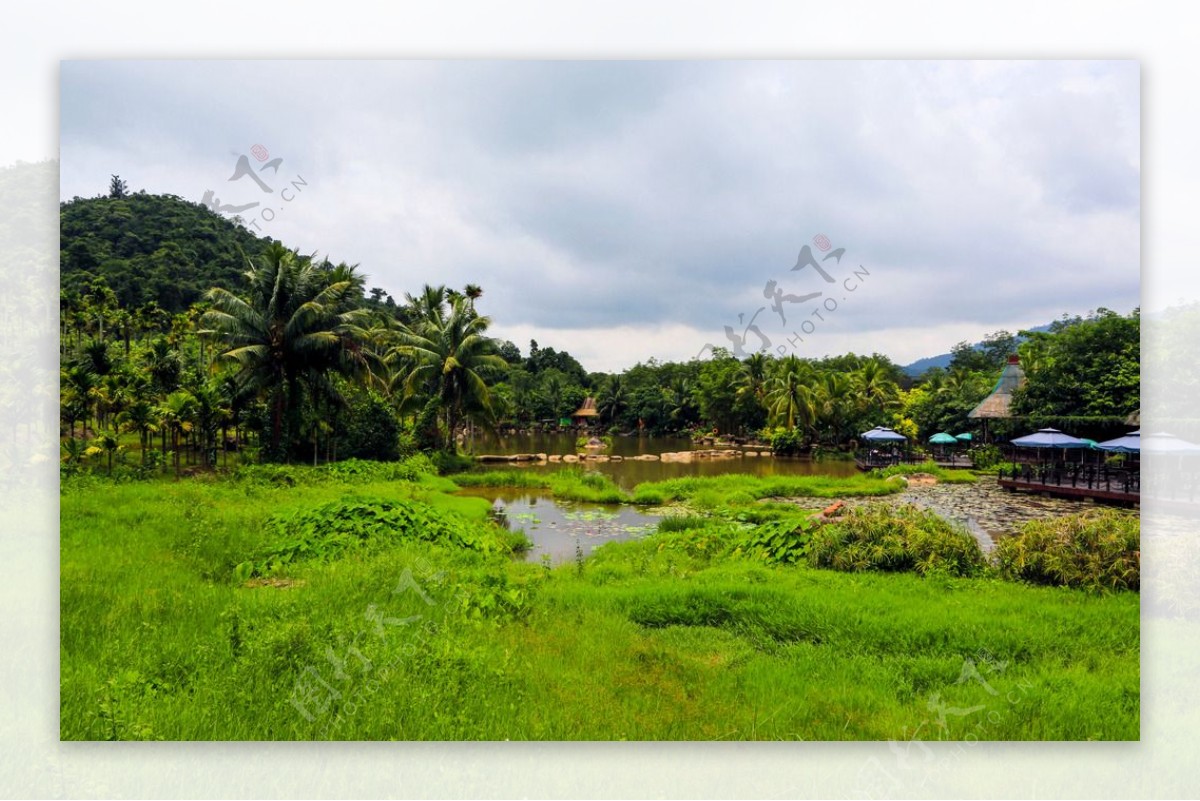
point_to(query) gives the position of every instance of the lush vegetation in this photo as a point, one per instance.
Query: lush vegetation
(705, 630)
(1099, 550)
(184, 337)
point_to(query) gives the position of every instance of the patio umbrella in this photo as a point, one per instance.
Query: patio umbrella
(881, 434)
(1048, 438)
(1162, 442)
(942, 438)
(1130, 443)
(967, 437)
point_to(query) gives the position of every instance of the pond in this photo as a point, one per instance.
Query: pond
(630, 471)
(562, 530)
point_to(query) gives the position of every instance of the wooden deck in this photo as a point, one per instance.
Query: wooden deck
(1077, 482)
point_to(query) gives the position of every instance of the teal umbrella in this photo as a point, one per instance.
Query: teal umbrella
(1091, 443)
(942, 438)
(965, 437)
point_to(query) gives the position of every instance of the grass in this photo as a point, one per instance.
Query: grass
(666, 637)
(943, 474)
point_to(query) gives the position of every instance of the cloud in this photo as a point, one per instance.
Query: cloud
(658, 198)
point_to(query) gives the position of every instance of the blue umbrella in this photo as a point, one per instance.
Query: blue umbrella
(1048, 438)
(881, 434)
(1130, 443)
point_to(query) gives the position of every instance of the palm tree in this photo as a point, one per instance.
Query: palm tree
(834, 397)
(613, 399)
(874, 388)
(176, 414)
(473, 292)
(139, 417)
(292, 326)
(446, 356)
(789, 397)
(428, 305)
(753, 380)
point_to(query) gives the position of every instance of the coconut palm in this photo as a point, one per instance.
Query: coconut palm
(789, 396)
(874, 388)
(290, 328)
(444, 358)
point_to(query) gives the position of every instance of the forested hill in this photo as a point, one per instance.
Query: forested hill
(151, 248)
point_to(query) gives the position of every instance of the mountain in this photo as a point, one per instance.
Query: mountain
(151, 248)
(943, 359)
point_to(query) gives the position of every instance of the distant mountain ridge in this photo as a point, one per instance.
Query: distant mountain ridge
(943, 359)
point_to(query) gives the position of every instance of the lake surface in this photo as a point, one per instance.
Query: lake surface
(558, 528)
(629, 472)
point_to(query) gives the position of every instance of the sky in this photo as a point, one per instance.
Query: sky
(626, 210)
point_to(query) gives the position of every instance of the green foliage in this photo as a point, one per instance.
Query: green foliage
(783, 542)
(877, 537)
(1089, 367)
(984, 457)
(369, 429)
(787, 443)
(1097, 550)
(678, 639)
(151, 249)
(947, 475)
(335, 529)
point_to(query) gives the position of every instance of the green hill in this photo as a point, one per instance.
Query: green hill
(151, 248)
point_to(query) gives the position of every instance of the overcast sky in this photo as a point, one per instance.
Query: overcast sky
(629, 210)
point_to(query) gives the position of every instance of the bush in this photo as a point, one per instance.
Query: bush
(876, 537)
(1097, 550)
(333, 529)
(787, 443)
(930, 467)
(986, 456)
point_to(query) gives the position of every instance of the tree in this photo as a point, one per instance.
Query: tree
(291, 327)
(446, 354)
(117, 189)
(789, 397)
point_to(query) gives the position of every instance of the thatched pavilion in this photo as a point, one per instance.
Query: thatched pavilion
(586, 413)
(998, 404)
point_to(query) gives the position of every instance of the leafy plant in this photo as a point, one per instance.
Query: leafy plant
(906, 538)
(1097, 550)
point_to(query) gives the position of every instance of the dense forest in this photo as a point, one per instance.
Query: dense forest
(185, 332)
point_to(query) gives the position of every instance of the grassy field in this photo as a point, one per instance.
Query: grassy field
(234, 609)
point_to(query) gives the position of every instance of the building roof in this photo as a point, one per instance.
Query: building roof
(588, 409)
(999, 402)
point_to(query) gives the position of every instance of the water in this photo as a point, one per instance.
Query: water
(630, 472)
(558, 527)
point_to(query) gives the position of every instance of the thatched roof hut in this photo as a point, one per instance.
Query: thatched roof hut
(999, 403)
(586, 411)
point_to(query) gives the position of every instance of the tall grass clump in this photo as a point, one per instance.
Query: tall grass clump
(906, 538)
(1095, 550)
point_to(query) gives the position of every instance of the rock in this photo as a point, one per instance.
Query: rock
(615, 458)
(570, 457)
(554, 457)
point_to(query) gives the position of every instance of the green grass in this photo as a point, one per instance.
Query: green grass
(666, 637)
(570, 484)
(944, 474)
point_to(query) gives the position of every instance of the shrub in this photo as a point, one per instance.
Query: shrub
(784, 541)
(360, 524)
(876, 537)
(1098, 550)
(986, 456)
(787, 443)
